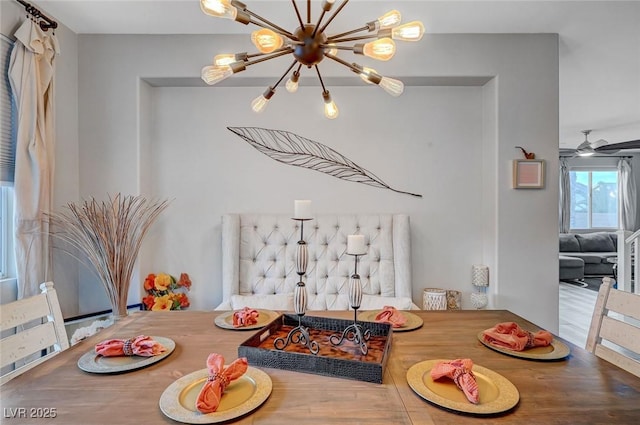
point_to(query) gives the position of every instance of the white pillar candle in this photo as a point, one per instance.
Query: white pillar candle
(302, 209)
(355, 245)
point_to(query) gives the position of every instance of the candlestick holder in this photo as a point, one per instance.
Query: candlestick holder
(354, 332)
(299, 334)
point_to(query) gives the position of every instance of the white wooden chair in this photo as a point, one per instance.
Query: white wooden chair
(22, 346)
(616, 319)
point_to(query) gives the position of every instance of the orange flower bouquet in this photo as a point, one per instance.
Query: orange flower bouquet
(164, 292)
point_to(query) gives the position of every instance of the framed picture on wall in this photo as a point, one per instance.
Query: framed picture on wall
(528, 173)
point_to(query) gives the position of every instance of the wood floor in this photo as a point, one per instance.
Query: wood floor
(576, 309)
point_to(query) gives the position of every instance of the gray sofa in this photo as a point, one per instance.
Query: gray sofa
(587, 254)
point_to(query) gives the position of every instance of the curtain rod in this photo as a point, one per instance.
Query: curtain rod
(46, 22)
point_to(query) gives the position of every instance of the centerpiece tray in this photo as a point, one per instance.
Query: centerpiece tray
(342, 361)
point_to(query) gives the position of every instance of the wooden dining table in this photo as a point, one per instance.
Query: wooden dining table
(580, 389)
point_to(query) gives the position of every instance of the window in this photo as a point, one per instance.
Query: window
(6, 224)
(594, 199)
(7, 158)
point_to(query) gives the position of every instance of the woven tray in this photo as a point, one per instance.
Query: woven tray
(343, 361)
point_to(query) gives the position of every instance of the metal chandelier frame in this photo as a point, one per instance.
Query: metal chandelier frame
(309, 44)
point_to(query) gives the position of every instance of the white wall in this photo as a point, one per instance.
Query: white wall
(447, 141)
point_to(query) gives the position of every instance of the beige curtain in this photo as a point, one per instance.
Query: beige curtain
(31, 74)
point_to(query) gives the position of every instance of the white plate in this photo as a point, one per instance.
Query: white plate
(241, 396)
(225, 320)
(95, 363)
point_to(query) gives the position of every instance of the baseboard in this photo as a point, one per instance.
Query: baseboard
(100, 313)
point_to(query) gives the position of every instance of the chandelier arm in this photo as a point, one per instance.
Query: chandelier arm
(285, 74)
(344, 3)
(345, 63)
(324, 90)
(343, 40)
(315, 30)
(255, 55)
(272, 26)
(274, 29)
(357, 30)
(335, 46)
(295, 7)
(272, 56)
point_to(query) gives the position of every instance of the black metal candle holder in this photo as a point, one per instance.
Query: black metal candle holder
(354, 332)
(299, 334)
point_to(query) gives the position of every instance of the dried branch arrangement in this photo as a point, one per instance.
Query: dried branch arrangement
(110, 234)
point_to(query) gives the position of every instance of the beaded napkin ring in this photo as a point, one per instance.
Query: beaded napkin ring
(128, 347)
(220, 377)
(530, 340)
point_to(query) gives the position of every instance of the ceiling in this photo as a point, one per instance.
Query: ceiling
(599, 41)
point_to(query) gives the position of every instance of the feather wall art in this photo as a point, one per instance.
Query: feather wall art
(291, 149)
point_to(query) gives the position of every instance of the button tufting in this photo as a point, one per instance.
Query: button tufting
(275, 227)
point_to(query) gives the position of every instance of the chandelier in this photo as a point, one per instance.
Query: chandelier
(309, 44)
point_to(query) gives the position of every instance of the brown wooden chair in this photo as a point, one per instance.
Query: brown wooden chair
(615, 327)
(31, 345)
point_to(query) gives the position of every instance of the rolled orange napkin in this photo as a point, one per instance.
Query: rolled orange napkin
(245, 317)
(141, 345)
(459, 371)
(219, 377)
(391, 315)
(510, 335)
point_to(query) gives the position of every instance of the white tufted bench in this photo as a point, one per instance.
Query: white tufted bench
(259, 268)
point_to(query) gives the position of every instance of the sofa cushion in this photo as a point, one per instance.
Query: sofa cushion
(596, 242)
(591, 257)
(569, 243)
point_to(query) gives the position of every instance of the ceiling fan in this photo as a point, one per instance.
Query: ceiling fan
(600, 146)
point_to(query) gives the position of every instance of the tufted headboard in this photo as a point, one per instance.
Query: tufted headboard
(259, 267)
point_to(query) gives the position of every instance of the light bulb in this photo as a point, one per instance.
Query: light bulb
(219, 8)
(366, 73)
(224, 59)
(266, 41)
(330, 107)
(260, 103)
(411, 31)
(382, 49)
(392, 86)
(292, 83)
(214, 74)
(389, 19)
